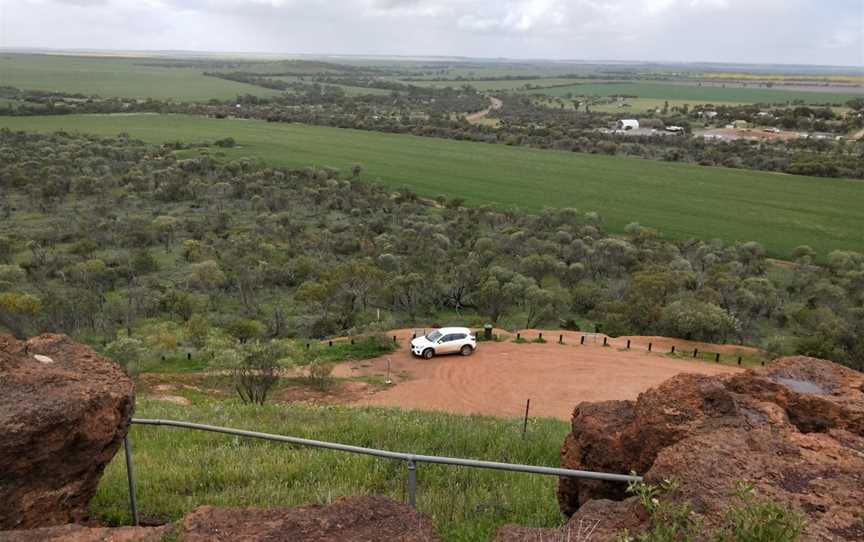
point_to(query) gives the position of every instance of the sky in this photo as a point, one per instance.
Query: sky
(829, 32)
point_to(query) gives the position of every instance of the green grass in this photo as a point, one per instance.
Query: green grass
(682, 200)
(178, 470)
(117, 77)
(693, 93)
(512, 84)
(343, 350)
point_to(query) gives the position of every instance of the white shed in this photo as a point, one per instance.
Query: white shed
(628, 124)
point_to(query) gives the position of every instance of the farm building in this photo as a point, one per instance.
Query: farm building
(628, 124)
(675, 129)
(740, 124)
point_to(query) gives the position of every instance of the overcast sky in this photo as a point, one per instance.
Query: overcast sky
(758, 31)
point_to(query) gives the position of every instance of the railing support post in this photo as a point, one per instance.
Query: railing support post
(412, 483)
(130, 476)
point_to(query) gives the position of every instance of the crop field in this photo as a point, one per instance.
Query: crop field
(681, 200)
(178, 470)
(691, 92)
(513, 84)
(117, 77)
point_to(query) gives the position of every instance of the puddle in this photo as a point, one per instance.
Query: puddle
(800, 386)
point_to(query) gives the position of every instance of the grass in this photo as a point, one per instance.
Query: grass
(344, 350)
(713, 93)
(117, 77)
(683, 201)
(178, 470)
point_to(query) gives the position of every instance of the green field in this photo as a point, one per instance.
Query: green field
(178, 470)
(693, 93)
(682, 200)
(117, 77)
(513, 84)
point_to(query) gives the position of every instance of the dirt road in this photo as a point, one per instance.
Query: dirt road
(494, 103)
(500, 376)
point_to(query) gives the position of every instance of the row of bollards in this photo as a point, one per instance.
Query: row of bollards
(650, 347)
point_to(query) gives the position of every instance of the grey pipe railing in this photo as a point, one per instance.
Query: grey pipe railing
(411, 459)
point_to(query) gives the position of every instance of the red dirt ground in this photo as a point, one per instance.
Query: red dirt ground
(500, 376)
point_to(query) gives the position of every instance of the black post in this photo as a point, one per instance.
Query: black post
(518, 336)
(541, 336)
(628, 344)
(763, 364)
(394, 339)
(352, 341)
(329, 343)
(649, 347)
(673, 349)
(188, 356)
(604, 341)
(739, 360)
(695, 351)
(717, 357)
(560, 339)
(582, 340)
(414, 335)
(525, 421)
(130, 478)
(308, 346)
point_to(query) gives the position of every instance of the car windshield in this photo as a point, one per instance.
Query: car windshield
(434, 336)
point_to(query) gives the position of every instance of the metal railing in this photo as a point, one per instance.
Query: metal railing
(411, 460)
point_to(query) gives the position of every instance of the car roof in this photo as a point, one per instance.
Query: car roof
(446, 330)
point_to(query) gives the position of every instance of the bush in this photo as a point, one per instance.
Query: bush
(257, 372)
(753, 520)
(320, 374)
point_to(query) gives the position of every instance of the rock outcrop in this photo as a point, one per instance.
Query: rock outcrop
(63, 413)
(351, 519)
(793, 430)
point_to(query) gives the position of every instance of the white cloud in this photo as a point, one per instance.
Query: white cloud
(790, 31)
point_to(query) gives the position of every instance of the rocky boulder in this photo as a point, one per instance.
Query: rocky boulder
(351, 519)
(63, 413)
(794, 430)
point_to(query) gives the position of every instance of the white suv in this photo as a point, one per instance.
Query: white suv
(447, 340)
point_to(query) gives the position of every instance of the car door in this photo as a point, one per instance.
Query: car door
(446, 345)
(458, 341)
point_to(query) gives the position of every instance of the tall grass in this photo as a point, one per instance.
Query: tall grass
(178, 470)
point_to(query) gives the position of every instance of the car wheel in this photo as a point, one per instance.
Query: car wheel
(428, 353)
(466, 350)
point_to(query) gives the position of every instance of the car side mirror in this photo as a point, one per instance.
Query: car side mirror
(440, 341)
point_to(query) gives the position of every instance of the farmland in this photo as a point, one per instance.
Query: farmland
(713, 93)
(115, 76)
(683, 201)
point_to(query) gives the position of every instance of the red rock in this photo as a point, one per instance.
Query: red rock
(62, 419)
(351, 519)
(793, 430)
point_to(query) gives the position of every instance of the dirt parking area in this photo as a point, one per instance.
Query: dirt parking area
(500, 376)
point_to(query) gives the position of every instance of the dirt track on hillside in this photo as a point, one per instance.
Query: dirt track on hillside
(499, 378)
(494, 103)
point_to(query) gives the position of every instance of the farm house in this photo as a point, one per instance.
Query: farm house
(628, 124)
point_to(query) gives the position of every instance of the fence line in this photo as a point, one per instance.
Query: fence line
(411, 460)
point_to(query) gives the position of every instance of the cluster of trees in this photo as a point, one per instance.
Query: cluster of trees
(108, 237)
